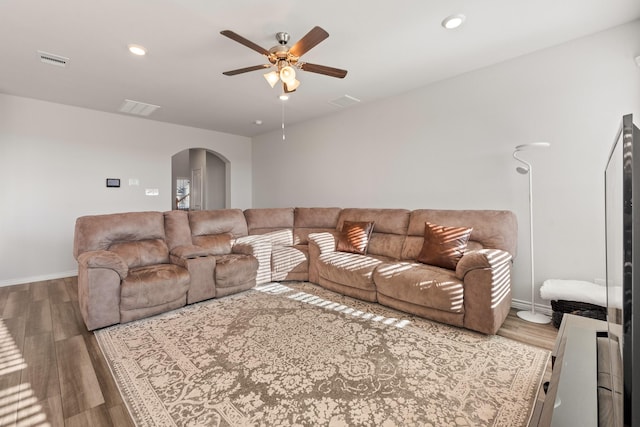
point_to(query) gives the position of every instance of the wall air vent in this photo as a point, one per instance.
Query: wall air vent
(50, 58)
(344, 101)
(137, 108)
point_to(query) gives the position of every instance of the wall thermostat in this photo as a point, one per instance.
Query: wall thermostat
(113, 182)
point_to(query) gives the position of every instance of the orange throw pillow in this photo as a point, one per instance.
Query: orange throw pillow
(444, 246)
(355, 237)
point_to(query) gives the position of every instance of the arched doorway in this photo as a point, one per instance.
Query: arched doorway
(199, 180)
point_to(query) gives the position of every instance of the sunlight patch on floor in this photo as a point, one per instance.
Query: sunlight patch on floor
(18, 403)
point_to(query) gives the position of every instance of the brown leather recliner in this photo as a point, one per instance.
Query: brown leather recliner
(124, 270)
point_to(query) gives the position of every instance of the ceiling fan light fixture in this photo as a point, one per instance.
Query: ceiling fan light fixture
(291, 86)
(288, 74)
(272, 78)
(453, 21)
(283, 97)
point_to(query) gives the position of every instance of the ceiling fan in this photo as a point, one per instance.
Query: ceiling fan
(286, 59)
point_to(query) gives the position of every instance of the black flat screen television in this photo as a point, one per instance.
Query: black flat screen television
(622, 219)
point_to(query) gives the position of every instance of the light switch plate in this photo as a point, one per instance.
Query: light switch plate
(151, 192)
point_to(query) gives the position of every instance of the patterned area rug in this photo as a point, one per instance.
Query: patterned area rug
(299, 355)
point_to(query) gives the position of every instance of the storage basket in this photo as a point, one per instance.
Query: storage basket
(560, 307)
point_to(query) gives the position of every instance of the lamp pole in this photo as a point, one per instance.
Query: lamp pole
(531, 316)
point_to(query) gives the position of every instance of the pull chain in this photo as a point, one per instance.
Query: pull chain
(283, 136)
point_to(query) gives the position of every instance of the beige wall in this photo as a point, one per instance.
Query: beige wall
(54, 160)
(449, 145)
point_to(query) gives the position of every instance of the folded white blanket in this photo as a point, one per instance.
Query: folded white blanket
(581, 291)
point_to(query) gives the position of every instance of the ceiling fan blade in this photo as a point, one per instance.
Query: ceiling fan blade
(246, 69)
(323, 69)
(251, 45)
(309, 41)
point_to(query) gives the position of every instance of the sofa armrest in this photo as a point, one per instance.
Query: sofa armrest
(259, 247)
(480, 259)
(188, 251)
(104, 259)
(99, 276)
(319, 244)
(487, 288)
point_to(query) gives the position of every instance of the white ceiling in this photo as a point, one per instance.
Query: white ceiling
(388, 47)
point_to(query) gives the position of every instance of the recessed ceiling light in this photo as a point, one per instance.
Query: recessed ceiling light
(257, 122)
(137, 49)
(453, 21)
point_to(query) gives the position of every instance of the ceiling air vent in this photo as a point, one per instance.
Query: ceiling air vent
(344, 101)
(137, 108)
(50, 58)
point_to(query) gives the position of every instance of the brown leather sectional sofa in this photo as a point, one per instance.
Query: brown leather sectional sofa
(137, 264)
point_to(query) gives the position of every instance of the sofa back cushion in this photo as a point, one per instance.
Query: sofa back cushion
(176, 228)
(313, 220)
(142, 253)
(389, 231)
(218, 221)
(266, 220)
(215, 244)
(492, 229)
(100, 232)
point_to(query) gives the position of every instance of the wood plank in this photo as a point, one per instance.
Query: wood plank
(103, 373)
(38, 317)
(16, 303)
(58, 291)
(52, 411)
(98, 416)
(4, 295)
(11, 358)
(32, 412)
(39, 290)
(40, 376)
(65, 321)
(120, 416)
(71, 284)
(80, 389)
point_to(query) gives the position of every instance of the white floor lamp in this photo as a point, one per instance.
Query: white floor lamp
(531, 315)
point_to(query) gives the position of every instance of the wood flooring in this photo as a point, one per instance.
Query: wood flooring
(52, 372)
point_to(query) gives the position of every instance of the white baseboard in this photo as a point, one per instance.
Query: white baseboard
(44, 277)
(526, 305)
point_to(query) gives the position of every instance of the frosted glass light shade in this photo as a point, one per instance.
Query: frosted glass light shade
(288, 74)
(272, 78)
(292, 85)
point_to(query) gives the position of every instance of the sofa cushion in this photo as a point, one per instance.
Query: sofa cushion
(349, 269)
(313, 220)
(99, 232)
(354, 237)
(260, 221)
(177, 230)
(491, 229)
(217, 222)
(390, 231)
(420, 284)
(142, 252)
(214, 244)
(153, 285)
(443, 246)
(288, 259)
(235, 269)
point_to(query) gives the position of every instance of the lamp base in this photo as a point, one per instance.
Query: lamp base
(532, 317)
